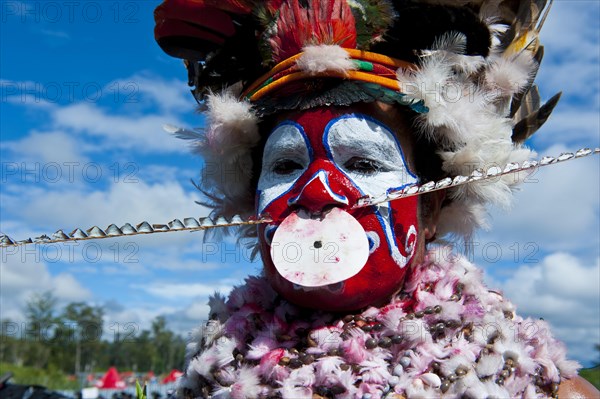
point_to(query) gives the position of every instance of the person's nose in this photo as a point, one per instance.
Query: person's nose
(317, 195)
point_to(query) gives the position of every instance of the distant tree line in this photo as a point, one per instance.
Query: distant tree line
(75, 340)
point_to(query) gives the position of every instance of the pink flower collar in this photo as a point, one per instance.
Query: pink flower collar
(444, 335)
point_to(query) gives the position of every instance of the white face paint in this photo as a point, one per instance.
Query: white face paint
(352, 142)
(359, 142)
(286, 144)
(370, 155)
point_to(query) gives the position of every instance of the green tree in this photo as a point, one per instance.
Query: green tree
(169, 348)
(81, 337)
(12, 348)
(162, 339)
(133, 352)
(40, 328)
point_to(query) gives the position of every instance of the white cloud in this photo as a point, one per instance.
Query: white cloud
(55, 34)
(571, 37)
(564, 291)
(21, 276)
(34, 101)
(44, 210)
(142, 133)
(69, 289)
(563, 273)
(557, 208)
(123, 268)
(197, 311)
(46, 147)
(188, 317)
(133, 124)
(120, 203)
(189, 311)
(130, 320)
(170, 96)
(152, 173)
(571, 30)
(184, 290)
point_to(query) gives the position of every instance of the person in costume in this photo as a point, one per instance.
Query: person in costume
(312, 106)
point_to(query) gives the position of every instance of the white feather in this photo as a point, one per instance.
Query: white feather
(224, 350)
(489, 365)
(318, 59)
(226, 145)
(247, 385)
(461, 218)
(510, 76)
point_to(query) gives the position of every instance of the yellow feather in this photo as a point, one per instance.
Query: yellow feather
(527, 41)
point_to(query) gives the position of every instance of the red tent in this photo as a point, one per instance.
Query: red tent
(172, 377)
(111, 380)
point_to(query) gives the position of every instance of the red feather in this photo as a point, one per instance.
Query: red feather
(323, 22)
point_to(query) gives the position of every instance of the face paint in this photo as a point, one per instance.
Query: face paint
(321, 160)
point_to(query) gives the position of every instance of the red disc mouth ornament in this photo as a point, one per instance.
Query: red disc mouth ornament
(319, 252)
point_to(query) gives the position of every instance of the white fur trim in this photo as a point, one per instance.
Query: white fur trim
(231, 134)
(226, 146)
(318, 59)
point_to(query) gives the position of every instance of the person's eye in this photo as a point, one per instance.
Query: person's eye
(362, 166)
(286, 167)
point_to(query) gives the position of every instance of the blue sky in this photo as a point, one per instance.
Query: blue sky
(84, 94)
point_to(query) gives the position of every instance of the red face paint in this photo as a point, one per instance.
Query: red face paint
(324, 159)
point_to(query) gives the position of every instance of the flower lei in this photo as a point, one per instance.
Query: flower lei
(445, 335)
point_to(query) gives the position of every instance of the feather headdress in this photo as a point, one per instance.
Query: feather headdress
(466, 67)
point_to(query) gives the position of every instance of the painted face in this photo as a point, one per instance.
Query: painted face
(319, 252)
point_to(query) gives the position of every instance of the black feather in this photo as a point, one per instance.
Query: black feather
(517, 107)
(529, 125)
(419, 25)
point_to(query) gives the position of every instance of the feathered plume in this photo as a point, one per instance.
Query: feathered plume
(521, 38)
(310, 23)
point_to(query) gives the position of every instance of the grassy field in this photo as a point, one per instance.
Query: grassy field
(592, 375)
(51, 379)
